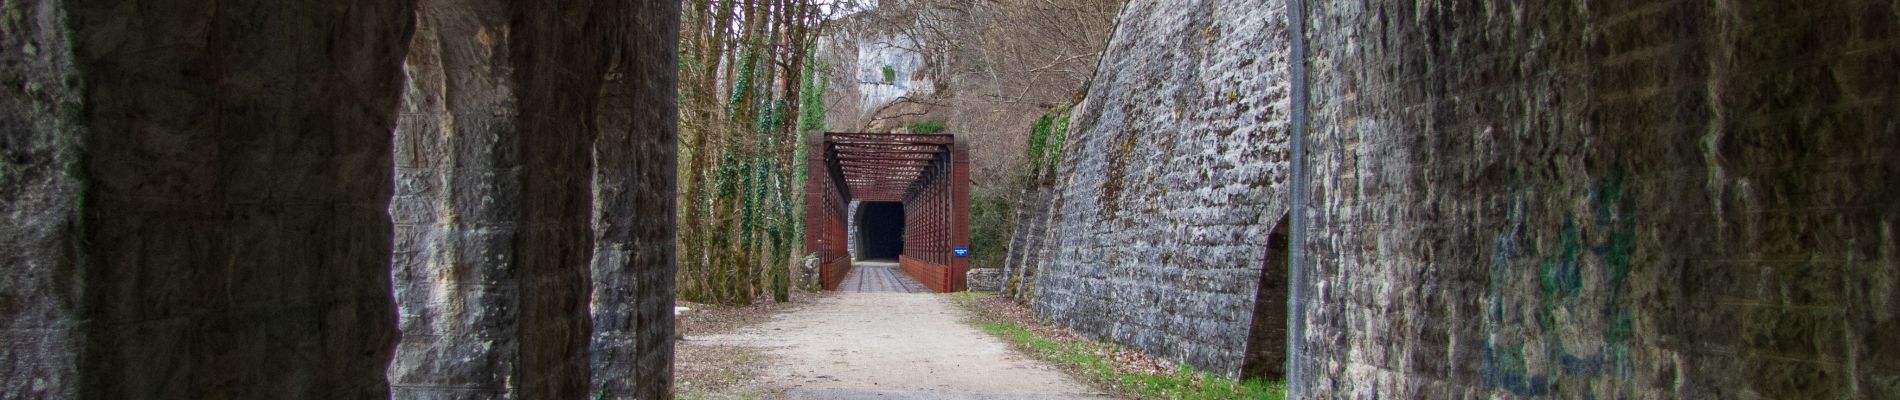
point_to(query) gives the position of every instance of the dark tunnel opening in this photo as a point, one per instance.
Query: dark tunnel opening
(881, 230)
(1266, 338)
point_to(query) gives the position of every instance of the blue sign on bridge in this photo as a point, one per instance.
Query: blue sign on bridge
(961, 251)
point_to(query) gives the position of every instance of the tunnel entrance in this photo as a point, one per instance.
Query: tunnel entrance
(1266, 339)
(881, 230)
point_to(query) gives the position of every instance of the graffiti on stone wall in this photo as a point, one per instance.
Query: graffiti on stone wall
(1576, 322)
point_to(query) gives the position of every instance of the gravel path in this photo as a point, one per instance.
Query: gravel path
(854, 345)
(879, 276)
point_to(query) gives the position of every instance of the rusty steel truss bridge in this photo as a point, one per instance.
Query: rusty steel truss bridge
(929, 174)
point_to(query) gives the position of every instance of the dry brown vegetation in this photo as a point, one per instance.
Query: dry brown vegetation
(998, 65)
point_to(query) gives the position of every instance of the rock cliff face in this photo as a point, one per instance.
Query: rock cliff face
(1621, 199)
(876, 54)
(1172, 181)
(858, 96)
(199, 199)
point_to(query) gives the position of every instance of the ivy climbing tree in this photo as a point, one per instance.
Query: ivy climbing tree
(748, 91)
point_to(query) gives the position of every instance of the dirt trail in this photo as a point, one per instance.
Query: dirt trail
(893, 346)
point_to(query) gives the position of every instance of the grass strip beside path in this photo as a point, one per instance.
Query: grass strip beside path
(1107, 366)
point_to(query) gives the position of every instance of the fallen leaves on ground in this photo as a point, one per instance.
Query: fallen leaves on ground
(712, 371)
(709, 319)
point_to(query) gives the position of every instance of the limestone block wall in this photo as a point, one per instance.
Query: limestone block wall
(1172, 180)
(1025, 241)
(1602, 200)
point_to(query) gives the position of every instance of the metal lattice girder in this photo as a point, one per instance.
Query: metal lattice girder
(890, 138)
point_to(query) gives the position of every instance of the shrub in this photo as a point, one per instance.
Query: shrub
(991, 212)
(931, 126)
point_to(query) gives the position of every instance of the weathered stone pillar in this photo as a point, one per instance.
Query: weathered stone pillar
(631, 350)
(457, 201)
(200, 193)
(41, 186)
(200, 199)
(537, 235)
